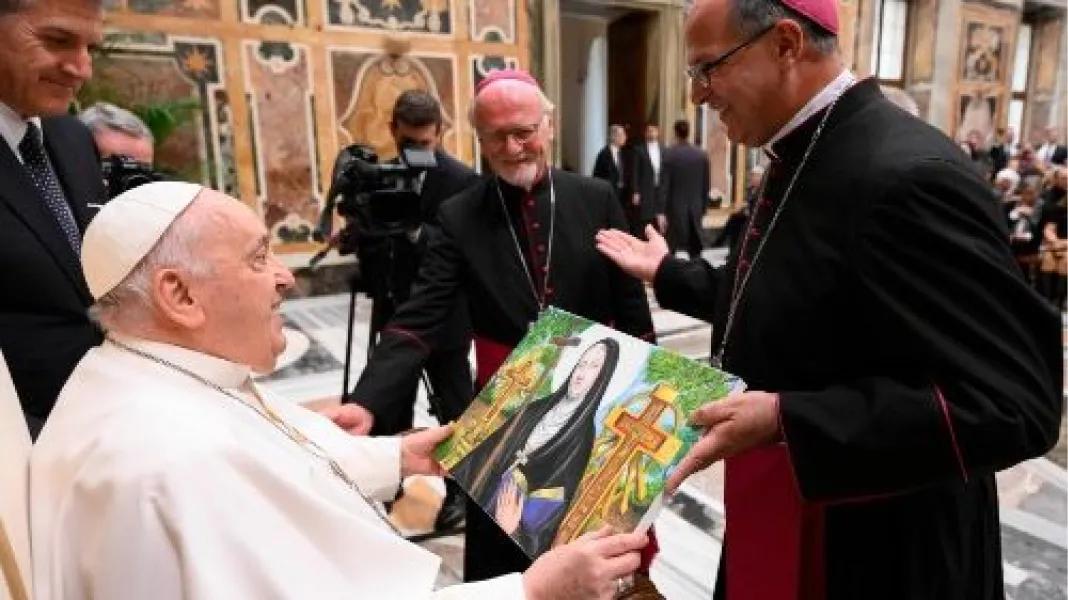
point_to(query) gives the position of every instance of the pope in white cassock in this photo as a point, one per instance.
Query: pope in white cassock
(164, 472)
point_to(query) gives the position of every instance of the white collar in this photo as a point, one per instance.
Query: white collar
(219, 371)
(13, 127)
(832, 90)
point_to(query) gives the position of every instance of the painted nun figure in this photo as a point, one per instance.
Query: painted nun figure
(526, 473)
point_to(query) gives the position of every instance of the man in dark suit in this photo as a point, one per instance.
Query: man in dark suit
(645, 180)
(610, 163)
(887, 382)
(1051, 152)
(51, 177)
(684, 182)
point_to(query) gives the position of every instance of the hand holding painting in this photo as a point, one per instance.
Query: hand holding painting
(732, 425)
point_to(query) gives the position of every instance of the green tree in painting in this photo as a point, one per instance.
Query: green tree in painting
(553, 324)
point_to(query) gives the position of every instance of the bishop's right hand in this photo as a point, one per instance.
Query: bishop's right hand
(588, 567)
(637, 258)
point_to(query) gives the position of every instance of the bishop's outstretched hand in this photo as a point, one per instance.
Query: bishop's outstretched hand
(638, 258)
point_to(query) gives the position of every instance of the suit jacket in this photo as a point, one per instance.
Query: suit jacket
(1060, 155)
(1057, 157)
(684, 182)
(473, 252)
(911, 359)
(44, 326)
(644, 181)
(605, 167)
(449, 178)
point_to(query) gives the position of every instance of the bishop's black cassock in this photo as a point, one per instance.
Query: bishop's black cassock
(474, 251)
(911, 359)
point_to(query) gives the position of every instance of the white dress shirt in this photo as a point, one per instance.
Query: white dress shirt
(654, 157)
(13, 128)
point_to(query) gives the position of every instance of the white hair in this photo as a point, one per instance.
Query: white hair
(129, 304)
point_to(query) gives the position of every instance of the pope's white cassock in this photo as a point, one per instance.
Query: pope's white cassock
(147, 483)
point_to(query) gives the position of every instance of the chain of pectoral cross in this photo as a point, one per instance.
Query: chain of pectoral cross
(291, 432)
(539, 298)
(739, 287)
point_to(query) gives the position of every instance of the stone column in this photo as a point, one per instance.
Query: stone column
(940, 112)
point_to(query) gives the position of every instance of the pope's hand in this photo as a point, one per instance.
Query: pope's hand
(735, 424)
(639, 259)
(585, 568)
(417, 451)
(351, 417)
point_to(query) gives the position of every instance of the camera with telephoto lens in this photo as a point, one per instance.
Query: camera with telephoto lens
(375, 200)
(380, 206)
(122, 173)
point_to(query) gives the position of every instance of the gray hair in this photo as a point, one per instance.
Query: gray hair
(752, 16)
(129, 304)
(104, 115)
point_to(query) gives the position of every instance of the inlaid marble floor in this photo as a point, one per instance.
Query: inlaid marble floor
(1034, 495)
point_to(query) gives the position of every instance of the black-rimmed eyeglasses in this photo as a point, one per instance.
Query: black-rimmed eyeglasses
(702, 71)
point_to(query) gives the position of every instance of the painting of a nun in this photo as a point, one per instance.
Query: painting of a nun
(527, 472)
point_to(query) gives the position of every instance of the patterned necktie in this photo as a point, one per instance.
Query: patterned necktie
(44, 179)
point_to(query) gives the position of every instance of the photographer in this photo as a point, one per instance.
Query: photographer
(126, 147)
(118, 132)
(417, 123)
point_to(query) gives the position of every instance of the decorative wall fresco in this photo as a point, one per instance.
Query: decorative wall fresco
(366, 85)
(984, 52)
(273, 12)
(421, 16)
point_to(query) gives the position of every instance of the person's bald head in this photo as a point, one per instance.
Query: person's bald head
(513, 121)
(210, 284)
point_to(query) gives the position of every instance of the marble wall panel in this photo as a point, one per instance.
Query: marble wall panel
(151, 69)
(492, 20)
(420, 16)
(367, 84)
(278, 88)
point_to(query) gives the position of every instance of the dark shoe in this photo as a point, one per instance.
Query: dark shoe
(452, 512)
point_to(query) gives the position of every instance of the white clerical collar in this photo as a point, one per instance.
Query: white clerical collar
(219, 371)
(832, 90)
(13, 128)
